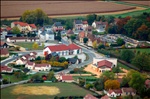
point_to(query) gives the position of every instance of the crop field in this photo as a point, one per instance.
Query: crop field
(52, 8)
(42, 91)
(146, 3)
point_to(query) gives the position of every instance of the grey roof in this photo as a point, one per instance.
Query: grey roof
(78, 21)
(57, 24)
(72, 60)
(47, 26)
(54, 54)
(47, 32)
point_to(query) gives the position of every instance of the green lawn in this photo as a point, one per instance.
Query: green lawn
(123, 66)
(9, 77)
(28, 45)
(85, 77)
(66, 89)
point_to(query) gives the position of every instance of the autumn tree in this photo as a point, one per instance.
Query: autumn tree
(94, 44)
(35, 46)
(127, 55)
(112, 84)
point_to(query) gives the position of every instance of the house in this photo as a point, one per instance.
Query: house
(57, 26)
(89, 96)
(85, 24)
(69, 33)
(4, 52)
(48, 27)
(105, 97)
(78, 25)
(42, 67)
(66, 78)
(73, 61)
(103, 64)
(3, 45)
(24, 27)
(91, 39)
(128, 91)
(81, 36)
(30, 65)
(33, 27)
(147, 83)
(22, 39)
(3, 33)
(63, 50)
(114, 92)
(21, 61)
(99, 26)
(6, 69)
(46, 35)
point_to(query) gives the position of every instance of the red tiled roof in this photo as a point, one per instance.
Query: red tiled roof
(82, 34)
(2, 43)
(104, 63)
(21, 23)
(128, 90)
(73, 46)
(32, 25)
(89, 96)
(4, 51)
(105, 97)
(84, 22)
(41, 65)
(8, 28)
(65, 77)
(118, 91)
(30, 63)
(63, 47)
(70, 31)
(6, 68)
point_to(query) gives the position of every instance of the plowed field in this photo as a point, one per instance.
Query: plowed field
(52, 8)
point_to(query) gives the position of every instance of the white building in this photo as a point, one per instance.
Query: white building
(99, 26)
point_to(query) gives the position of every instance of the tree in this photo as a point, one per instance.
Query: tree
(85, 40)
(136, 81)
(58, 36)
(127, 55)
(38, 58)
(100, 46)
(94, 44)
(90, 18)
(116, 70)
(36, 77)
(69, 24)
(99, 84)
(88, 86)
(35, 46)
(73, 37)
(15, 30)
(141, 61)
(62, 59)
(50, 75)
(110, 19)
(120, 41)
(107, 75)
(112, 84)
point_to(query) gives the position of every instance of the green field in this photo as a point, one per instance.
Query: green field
(66, 89)
(11, 78)
(28, 45)
(123, 66)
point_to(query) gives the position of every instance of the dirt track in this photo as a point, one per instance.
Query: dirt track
(55, 8)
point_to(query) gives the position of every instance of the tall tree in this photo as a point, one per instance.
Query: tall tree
(127, 55)
(85, 40)
(107, 75)
(120, 42)
(91, 18)
(142, 61)
(35, 46)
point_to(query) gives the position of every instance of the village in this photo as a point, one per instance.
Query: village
(89, 55)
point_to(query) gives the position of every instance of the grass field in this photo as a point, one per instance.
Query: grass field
(11, 78)
(28, 45)
(62, 89)
(123, 66)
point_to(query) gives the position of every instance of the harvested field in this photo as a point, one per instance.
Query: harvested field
(146, 3)
(52, 8)
(35, 90)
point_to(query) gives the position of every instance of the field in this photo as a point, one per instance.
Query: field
(42, 91)
(52, 8)
(147, 3)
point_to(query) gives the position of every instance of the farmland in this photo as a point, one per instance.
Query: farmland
(47, 91)
(53, 8)
(146, 3)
